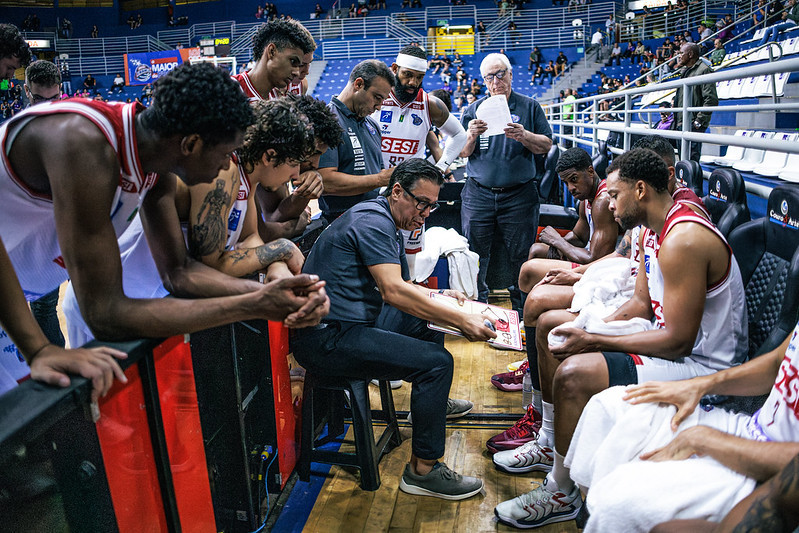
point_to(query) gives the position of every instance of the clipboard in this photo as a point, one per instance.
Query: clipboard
(506, 320)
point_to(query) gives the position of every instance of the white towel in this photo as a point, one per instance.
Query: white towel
(627, 494)
(604, 287)
(462, 262)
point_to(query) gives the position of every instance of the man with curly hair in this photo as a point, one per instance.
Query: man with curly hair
(228, 240)
(63, 213)
(282, 51)
(286, 213)
(687, 282)
(14, 51)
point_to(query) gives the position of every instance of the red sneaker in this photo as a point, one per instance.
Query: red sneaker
(510, 381)
(525, 430)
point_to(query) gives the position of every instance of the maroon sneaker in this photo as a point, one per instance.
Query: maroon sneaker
(510, 381)
(525, 430)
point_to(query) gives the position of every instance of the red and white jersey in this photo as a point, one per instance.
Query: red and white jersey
(27, 223)
(293, 88)
(403, 128)
(688, 196)
(238, 210)
(681, 194)
(249, 90)
(778, 419)
(722, 340)
(601, 190)
(252, 94)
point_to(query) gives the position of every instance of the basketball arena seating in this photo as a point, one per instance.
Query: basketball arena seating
(689, 174)
(726, 200)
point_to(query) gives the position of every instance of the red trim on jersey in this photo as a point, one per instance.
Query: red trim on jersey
(679, 213)
(246, 85)
(636, 359)
(688, 196)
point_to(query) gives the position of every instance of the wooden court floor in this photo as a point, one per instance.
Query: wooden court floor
(343, 507)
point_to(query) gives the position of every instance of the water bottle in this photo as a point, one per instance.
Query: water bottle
(527, 389)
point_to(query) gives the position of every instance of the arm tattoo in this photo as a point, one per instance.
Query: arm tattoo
(625, 244)
(210, 232)
(238, 255)
(776, 509)
(271, 252)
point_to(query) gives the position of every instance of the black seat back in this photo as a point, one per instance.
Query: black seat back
(548, 186)
(726, 200)
(766, 250)
(689, 174)
(601, 160)
(449, 214)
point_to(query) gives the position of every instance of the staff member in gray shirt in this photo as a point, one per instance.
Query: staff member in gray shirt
(501, 193)
(353, 171)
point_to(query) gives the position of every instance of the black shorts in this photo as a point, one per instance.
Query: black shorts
(621, 368)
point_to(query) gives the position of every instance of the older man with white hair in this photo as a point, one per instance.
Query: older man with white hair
(500, 195)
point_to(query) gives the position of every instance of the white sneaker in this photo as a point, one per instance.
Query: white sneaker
(539, 507)
(529, 457)
(395, 383)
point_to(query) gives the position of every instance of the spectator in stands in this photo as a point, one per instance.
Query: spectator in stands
(727, 28)
(501, 191)
(561, 62)
(118, 84)
(353, 12)
(131, 22)
(718, 53)
(416, 3)
(615, 54)
(703, 95)
(687, 37)
(514, 33)
(569, 114)
(351, 176)
(139, 20)
(774, 12)
(790, 18)
(89, 83)
(95, 32)
(259, 12)
(704, 33)
(759, 14)
(549, 71)
(147, 94)
(66, 79)
(678, 289)
(476, 88)
(319, 11)
(538, 74)
(457, 60)
(666, 117)
(638, 53)
(481, 28)
(470, 99)
(535, 59)
(597, 40)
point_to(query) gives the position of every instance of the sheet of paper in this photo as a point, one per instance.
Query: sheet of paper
(506, 321)
(494, 111)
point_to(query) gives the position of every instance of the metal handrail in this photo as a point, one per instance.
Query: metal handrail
(686, 136)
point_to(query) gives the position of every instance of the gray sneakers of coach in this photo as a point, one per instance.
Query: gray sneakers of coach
(455, 409)
(440, 482)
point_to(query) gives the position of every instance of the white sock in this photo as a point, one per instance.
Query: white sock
(546, 437)
(559, 478)
(537, 400)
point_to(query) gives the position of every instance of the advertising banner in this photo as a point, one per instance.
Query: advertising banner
(144, 68)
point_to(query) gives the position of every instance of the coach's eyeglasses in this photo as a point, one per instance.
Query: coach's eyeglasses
(498, 75)
(421, 205)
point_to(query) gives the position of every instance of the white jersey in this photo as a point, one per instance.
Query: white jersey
(722, 340)
(27, 223)
(403, 128)
(778, 419)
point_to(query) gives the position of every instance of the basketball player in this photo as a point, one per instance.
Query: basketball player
(687, 281)
(280, 49)
(405, 119)
(126, 156)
